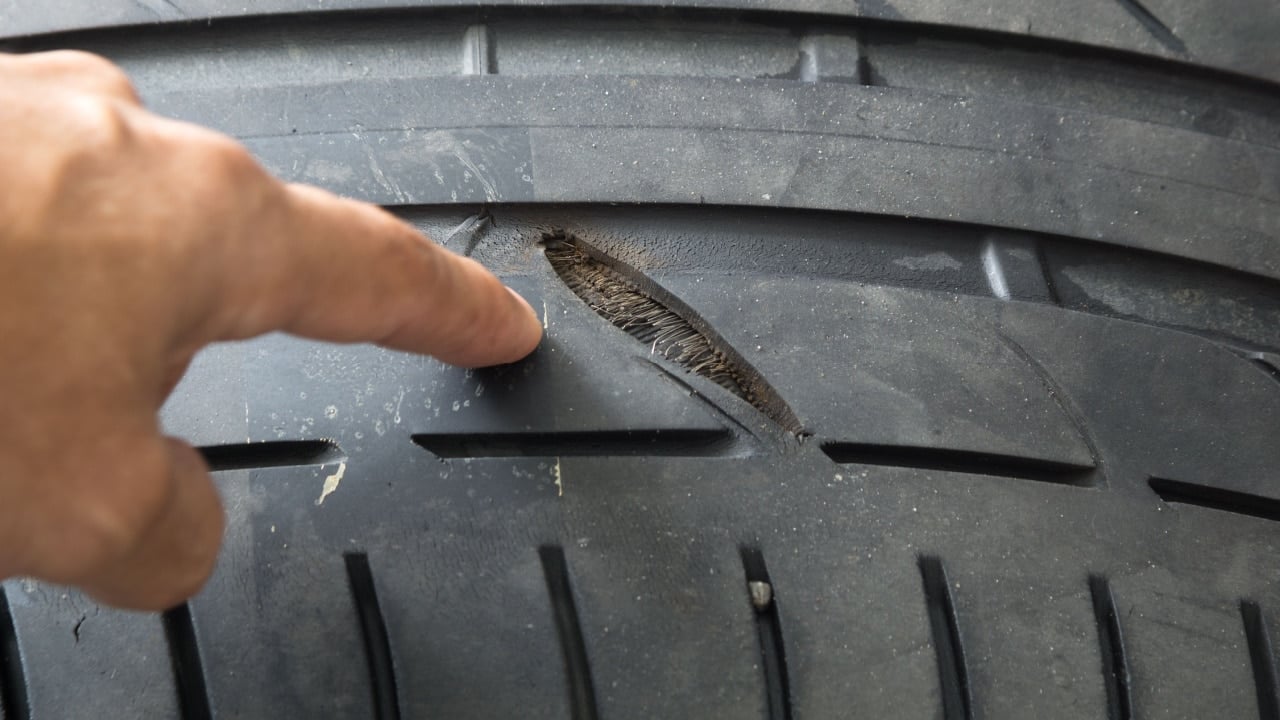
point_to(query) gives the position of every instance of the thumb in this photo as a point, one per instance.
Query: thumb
(174, 556)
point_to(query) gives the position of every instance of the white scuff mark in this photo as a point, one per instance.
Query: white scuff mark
(933, 261)
(555, 472)
(444, 142)
(399, 402)
(376, 168)
(246, 422)
(331, 483)
(545, 316)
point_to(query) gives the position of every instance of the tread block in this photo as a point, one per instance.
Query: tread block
(80, 658)
(277, 628)
(1207, 414)
(891, 367)
(1187, 650)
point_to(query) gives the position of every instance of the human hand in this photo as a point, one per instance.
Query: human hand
(128, 242)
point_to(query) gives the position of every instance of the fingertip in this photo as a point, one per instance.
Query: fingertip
(529, 332)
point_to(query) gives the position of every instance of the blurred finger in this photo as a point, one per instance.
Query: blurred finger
(174, 557)
(340, 270)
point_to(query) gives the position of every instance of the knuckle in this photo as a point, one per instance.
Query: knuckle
(101, 125)
(110, 525)
(96, 69)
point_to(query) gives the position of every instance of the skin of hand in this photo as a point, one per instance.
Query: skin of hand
(128, 242)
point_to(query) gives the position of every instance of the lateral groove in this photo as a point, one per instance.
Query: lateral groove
(188, 668)
(773, 654)
(377, 646)
(1115, 665)
(1161, 32)
(276, 453)
(1267, 363)
(962, 461)
(582, 697)
(1216, 498)
(953, 675)
(1062, 400)
(1262, 658)
(602, 443)
(14, 700)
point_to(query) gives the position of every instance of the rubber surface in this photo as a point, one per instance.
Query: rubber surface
(1022, 298)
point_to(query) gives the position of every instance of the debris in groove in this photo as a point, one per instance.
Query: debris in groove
(604, 443)
(13, 680)
(188, 670)
(666, 326)
(1262, 657)
(277, 453)
(953, 677)
(1161, 32)
(1115, 667)
(1216, 498)
(964, 461)
(377, 647)
(582, 697)
(773, 654)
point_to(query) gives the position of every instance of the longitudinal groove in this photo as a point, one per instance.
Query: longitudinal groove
(277, 453)
(773, 653)
(1115, 666)
(377, 648)
(668, 327)
(651, 443)
(188, 669)
(1216, 498)
(1262, 657)
(582, 695)
(1161, 32)
(964, 461)
(13, 680)
(953, 676)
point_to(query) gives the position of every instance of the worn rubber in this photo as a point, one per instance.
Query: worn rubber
(1017, 290)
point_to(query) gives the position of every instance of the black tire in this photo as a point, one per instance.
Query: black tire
(907, 361)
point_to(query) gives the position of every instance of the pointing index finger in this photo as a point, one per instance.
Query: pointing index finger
(336, 269)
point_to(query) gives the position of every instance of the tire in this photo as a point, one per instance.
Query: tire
(901, 361)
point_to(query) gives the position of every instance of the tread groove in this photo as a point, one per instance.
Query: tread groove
(582, 697)
(377, 647)
(275, 453)
(605, 443)
(962, 461)
(1215, 498)
(188, 668)
(1262, 361)
(1115, 665)
(1161, 32)
(1061, 399)
(13, 681)
(773, 652)
(670, 329)
(953, 676)
(1262, 658)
